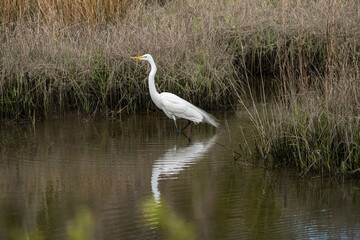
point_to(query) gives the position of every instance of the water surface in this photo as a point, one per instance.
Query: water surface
(76, 173)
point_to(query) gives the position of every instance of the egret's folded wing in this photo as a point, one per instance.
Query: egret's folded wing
(177, 106)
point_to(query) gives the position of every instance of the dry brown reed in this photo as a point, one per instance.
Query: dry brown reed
(65, 11)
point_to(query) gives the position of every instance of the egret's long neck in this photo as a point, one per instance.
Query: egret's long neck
(153, 92)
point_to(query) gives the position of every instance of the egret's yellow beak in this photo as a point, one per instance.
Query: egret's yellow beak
(138, 57)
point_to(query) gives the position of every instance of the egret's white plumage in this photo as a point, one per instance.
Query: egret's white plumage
(173, 106)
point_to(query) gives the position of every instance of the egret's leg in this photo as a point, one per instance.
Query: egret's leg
(186, 125)
(177, 129)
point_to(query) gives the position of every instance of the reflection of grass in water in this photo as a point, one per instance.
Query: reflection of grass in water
(20, 235)
(162, 217)
(80, 228)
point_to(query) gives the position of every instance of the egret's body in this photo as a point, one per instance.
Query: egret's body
(173, 106)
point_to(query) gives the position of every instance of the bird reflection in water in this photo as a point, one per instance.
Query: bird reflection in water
(175, 160)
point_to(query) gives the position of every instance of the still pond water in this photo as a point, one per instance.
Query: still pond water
(74, 176)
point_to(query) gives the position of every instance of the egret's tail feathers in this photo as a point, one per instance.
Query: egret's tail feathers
(210, 118)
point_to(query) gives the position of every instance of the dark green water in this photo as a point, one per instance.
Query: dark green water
(90, 178)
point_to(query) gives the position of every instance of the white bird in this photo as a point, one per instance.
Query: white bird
(173, 106)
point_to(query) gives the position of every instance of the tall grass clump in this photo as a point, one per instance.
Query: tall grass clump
(314, 130)
(69, 64)
(311, 117)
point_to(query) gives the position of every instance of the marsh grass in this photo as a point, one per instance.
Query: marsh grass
(306, 73)
(66, 11)
(56, 67)
(314, 129)
(54, 63)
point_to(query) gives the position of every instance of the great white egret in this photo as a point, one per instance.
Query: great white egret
(173, 106)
